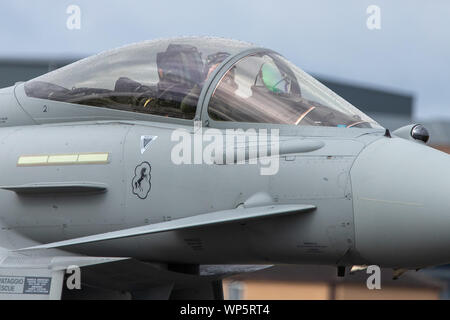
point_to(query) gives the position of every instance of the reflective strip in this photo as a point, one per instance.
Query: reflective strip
(304, 115)
(61, 159)
(146, 102)
(355, 124)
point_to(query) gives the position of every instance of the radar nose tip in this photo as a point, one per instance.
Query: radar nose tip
(401, 204)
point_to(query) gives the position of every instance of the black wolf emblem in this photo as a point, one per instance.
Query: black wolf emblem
(141, 182)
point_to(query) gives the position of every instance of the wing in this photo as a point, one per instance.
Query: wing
(240, 214)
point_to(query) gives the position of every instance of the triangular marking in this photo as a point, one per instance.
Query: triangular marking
(145, 142)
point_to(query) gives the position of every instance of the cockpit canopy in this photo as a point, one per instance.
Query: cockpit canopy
(165, 78)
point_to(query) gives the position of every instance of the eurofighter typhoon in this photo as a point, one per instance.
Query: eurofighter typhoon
(155, 170)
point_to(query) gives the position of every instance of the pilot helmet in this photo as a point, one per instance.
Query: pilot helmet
(180, 68)
(272, 78)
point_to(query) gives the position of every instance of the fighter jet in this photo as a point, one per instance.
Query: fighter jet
(158, 168)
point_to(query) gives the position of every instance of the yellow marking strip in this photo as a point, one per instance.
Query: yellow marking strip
(93, 158)
(31, 160)
(63, 159)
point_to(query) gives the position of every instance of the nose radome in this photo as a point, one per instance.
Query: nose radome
(401, 198)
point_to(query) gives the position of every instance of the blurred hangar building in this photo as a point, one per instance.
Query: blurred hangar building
(392, 110)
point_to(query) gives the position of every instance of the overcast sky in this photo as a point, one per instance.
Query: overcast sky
(409, 54)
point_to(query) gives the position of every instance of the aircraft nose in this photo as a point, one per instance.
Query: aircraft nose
(401, 202)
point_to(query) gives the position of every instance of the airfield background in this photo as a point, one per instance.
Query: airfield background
(392, 110)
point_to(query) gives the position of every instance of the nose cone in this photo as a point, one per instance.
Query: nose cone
(401, 199)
